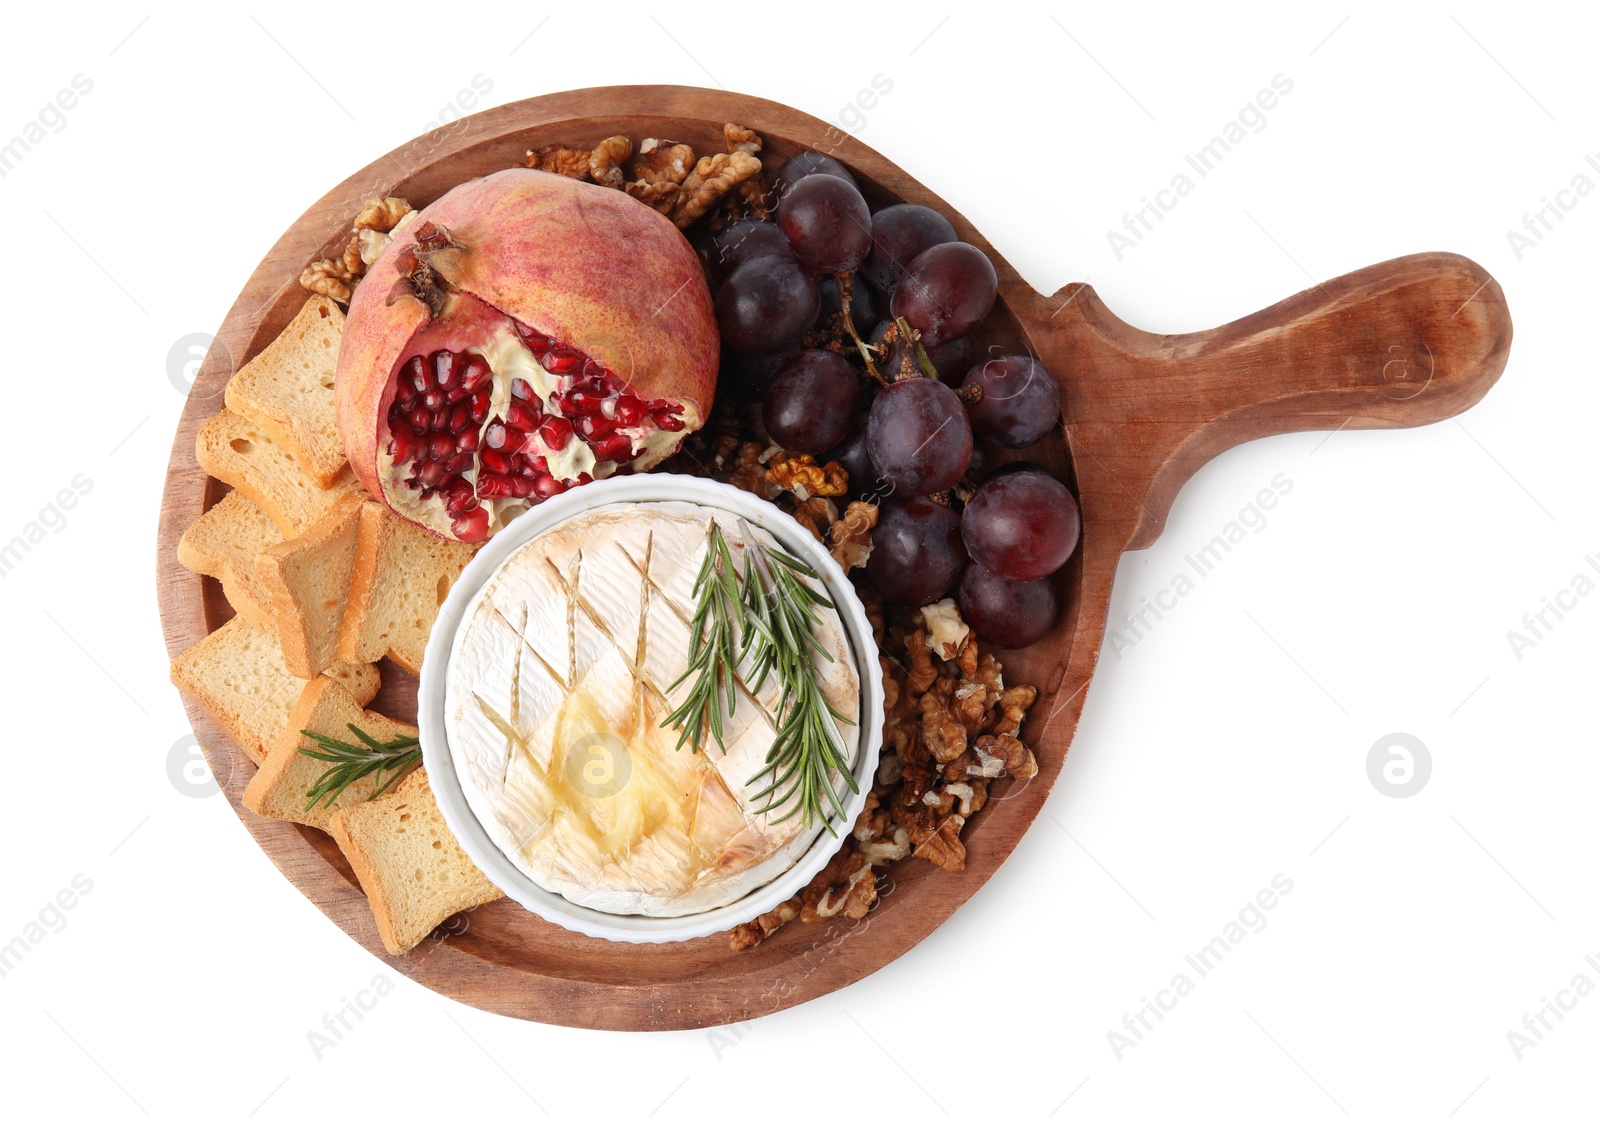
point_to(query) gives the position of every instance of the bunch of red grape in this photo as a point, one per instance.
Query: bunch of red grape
(828, 259)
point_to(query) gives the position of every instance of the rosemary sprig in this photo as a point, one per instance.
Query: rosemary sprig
(352, 763)
(716, 626)
(782, 611)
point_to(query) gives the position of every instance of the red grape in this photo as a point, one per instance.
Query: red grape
(1008, 615)
(916, 551)
(900, 233)
(1021, 401)
(946, 292)
(863, 303)
(766, 305)
(742, 241)
(827, 223)
(918, 436)
(851, 453)
(803, 165)
(812, 403)
(1021, 525)
(745, 377)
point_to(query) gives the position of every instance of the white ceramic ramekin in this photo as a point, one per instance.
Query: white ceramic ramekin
(436, 755)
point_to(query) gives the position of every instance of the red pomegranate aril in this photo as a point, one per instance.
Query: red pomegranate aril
(462, 497)
(521, 390)
(472, 527)
(475, 374)
(495, 461)
(495, 437)
(402, 444)
(443, 362)
(494, 485)
(466, 441)
(415, 374)
(520, 416)
(562, 362)
(629, 412)
(585, 402)
(556, 432)
(431, 473)
(459, 415)
(616, 447)
(439, 419)
(480, 405)
(459, 463)
(593, 428)
(584, 477)
(547, 485)
(421, 420)
(667, 422)
(441, 446)
(406, 398)
(433, 399)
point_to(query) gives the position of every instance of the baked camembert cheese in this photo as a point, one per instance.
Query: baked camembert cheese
(557, 687)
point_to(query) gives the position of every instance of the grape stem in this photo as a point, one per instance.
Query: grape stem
(924, 363)
(843, 280)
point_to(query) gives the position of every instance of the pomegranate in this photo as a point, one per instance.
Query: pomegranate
(523, 334)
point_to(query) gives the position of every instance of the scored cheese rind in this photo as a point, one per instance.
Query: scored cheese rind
(553, 710)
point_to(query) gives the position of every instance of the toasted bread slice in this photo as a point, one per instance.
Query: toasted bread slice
(223, 543)
(306, 581)
(410, 865)
(401, 577)
(242, 455)
(238, 675)
(280, 788)
(287, 389)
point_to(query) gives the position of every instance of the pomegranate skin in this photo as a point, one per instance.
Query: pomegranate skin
(585, 265)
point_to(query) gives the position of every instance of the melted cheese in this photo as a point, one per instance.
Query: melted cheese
(561, 677)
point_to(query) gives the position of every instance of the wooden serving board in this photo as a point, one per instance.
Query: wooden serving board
(1407, 342)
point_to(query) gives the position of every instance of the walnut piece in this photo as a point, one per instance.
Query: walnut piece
(741, 140)
(605, 163)
(851, 545)
(328, 277)
(937, 839)
(1019, 760)
(845, 885)
(816, 515)
(350, 259)
(942, 731)
(661, 196)
(947, 633)
(572, 163)
(799, 475)
(746, 936)
(1013, 706)
(920, 655)
(381, 214)
(711, 179)
(662, 162)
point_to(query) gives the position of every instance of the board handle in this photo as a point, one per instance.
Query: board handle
(1407, 342)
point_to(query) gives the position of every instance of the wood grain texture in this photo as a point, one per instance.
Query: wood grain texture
(1402, 343)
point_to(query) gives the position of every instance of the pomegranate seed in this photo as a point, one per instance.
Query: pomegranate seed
(403, 443)
(495, 436)
(495, 461)
(475, 373)
(473, 527)
(406, 398)
(462, 498)
(459, 416)
(433, 399)
(557, 432)
(494, 485)
(666, 421)
(420, 419)
(519, 415)
(465, 441)
(593, 428)
(521, 390)
(594, 370)
(547, 485)
(459, 463)
(431, 473)
(441, 445)
(439, 421)
(563, 361)
(587, 403)
(415, 374)
(521, 486)
(443, 363)
(584, 477)
(616, 447)
(480, 406)
(629, 411)
(527, 465)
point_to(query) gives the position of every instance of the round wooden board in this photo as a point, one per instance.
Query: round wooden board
(1141, 413)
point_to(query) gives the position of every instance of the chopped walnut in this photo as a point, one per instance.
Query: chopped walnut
(749, 475)
(350, 259)
(1012, 707)
(891, 688)
(382, 214)
(757, 198)
(947, 633)
(328, 277)
(851, 544)
(920, 654)
(937, 839)
(711, 179)
(741, 140)
(890, 770)
(891, 846)
(967, 660)
(845, 884)
(942, 730)
(800, 475)
(662, 162)
(662, 196)
(605, 163)
(572, 163)
(816, 515)
(746, 936)
(1020, 762)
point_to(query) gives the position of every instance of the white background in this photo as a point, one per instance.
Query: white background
(1228, 746)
